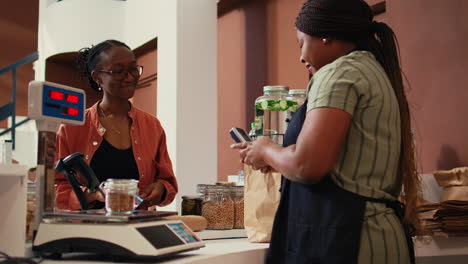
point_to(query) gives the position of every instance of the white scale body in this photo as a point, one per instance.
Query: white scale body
(145, 239)
(143, 234)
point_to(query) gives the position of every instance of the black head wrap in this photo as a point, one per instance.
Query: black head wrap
(341, 19)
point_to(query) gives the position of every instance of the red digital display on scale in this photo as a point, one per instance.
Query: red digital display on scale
(72, 98)
(72, 111)
(56, 95)
(60, 96)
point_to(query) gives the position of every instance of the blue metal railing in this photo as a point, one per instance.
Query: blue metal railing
(9, 109)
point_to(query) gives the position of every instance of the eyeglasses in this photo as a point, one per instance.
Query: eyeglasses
(119, 75)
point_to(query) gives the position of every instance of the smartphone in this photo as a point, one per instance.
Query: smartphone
(239, 135)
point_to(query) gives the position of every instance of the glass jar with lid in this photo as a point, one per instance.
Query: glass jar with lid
(201, 189)
(191, 205)
(237, 194)
(271, 112)
(218, 208)
(295, 99)
(120, 195)
(254, 127)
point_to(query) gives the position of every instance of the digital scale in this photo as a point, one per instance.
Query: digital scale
(139, 234)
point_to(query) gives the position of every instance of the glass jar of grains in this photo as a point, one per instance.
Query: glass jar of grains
(201, 190)
(120, 195)
(237, 194)
(218, 208)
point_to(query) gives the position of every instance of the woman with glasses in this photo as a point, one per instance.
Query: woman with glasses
(118, 140)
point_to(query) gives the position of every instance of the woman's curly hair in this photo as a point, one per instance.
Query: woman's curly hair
(89, 58)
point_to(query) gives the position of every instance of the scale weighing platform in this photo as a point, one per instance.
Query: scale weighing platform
(138, 234)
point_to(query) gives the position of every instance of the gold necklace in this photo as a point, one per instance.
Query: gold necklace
(108, 121)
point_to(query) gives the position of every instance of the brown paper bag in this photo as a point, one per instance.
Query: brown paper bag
(453, 177)
(454, 182)
(455, 193)
(261, 199)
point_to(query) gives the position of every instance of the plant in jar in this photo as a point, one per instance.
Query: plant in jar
(295, 99)
(271, 112)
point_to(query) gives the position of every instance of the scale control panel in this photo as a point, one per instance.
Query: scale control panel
(168, 235)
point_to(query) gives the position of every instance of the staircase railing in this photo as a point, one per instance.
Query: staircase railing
(9, 109)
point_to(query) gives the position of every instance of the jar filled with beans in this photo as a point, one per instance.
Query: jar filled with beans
(120, 195)
(237, 194)
(218, 208)
(201, 190)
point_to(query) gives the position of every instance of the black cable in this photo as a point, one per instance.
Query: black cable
(6, 259)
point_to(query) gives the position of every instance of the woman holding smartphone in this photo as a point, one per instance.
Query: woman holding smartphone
(348, 154)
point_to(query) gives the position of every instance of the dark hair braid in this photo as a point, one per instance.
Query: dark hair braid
(384, 46)
(89, 58)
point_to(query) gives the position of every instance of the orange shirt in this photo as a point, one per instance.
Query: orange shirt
(148, 144)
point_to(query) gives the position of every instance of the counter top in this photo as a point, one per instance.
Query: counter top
(226, 251)
(442, 246)
(237, 250)
(452, 250)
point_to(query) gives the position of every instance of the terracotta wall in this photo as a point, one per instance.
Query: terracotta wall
(433, 38)
(232, 95)
(257, 47)
(145, 97)
(18, 39)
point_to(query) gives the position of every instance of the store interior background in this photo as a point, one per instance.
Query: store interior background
(257, 47)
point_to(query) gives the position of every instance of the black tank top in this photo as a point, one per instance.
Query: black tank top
(109, 162)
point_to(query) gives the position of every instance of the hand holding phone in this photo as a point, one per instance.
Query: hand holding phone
(239, 135)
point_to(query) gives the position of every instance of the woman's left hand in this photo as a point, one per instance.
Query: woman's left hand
(152, 194)
(252, 153)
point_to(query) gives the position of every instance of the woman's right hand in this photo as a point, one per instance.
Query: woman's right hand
(242, 147)
(267, 169)
(96, 196)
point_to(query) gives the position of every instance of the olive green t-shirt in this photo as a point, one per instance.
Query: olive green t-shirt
(368, 159)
